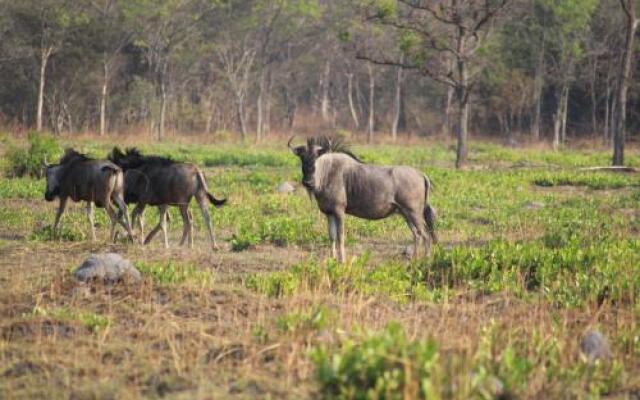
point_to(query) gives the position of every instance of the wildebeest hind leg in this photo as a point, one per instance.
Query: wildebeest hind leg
(415, 223)
(113, 216)
(61, 206)
(202, 202)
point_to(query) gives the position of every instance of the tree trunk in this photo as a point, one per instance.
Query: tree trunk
(163, 109)
(324, 83)
(447, 127)
(103, 99)
(44, 59)
(565, 103)
(241, 116)
(624, 78)
(537, 96)
(267, 117)
(462, 98)
(560, 117)
(398, 102)
(260, 109)
(372, 87)
(594, 100)
(354, 113)
(462, 128)
(607, 105)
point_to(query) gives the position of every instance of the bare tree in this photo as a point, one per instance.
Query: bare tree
(624, 77)
(456, 28)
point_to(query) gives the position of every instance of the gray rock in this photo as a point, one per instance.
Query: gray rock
(285, 187)
(595, 346)
(107, 267)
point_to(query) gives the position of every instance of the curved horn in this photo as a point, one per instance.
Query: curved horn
(45, 163)
(289, 144)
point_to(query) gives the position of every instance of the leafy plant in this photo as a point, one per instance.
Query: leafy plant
(383, 365)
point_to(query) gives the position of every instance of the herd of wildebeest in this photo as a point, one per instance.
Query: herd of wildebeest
(338, 180)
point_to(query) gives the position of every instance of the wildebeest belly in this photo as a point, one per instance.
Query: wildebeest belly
(370, 193)
(169, 186)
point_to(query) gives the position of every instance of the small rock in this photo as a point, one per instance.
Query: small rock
(534, 205)
(285, 187)
(107, 267)
(595, 346)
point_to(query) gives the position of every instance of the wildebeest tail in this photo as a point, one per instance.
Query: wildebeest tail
(213, 200)
(429, 212)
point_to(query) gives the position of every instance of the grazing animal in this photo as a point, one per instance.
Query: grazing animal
(342, 184)
(161, 181)
(80, 178)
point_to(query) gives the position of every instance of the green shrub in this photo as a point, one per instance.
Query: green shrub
(384, 365)
(28, 162)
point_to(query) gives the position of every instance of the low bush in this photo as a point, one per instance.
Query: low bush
(28, 162)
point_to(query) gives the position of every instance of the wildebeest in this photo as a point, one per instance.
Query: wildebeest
(161, 181)
(81, 178)
(342, 184)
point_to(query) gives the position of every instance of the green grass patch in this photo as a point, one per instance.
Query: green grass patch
(169, 273)
(90, 320)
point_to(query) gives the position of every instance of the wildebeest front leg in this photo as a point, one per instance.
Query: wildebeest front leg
(90, 215)
(339, 222)
(186, 225)
(138, 215)
(202, 202)
(61, 206)
(333, 234)
(162, 224)
(123, 207)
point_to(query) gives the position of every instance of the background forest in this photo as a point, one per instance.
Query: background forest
(533, 69)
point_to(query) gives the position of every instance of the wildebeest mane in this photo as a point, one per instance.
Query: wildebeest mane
(72, 156)
(133, 158)
(334, 145)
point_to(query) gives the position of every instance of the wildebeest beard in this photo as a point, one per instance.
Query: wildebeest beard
(308, 171)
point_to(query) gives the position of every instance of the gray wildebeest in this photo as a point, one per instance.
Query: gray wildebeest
(342, 184)
(160, 181)
(81, 178)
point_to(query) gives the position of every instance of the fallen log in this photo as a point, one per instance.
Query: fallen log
(619, 168)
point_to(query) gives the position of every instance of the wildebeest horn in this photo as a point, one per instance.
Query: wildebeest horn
(45, 163)
(289, 144)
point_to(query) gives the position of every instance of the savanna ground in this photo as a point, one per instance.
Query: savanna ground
(533, 253)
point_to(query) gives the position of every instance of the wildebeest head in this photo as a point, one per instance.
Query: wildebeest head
(315, 148)
(308, 155)
(54, 172)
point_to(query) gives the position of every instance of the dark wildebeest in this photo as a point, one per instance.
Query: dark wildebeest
(81, 178)
(161, 181)
(342, 184)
